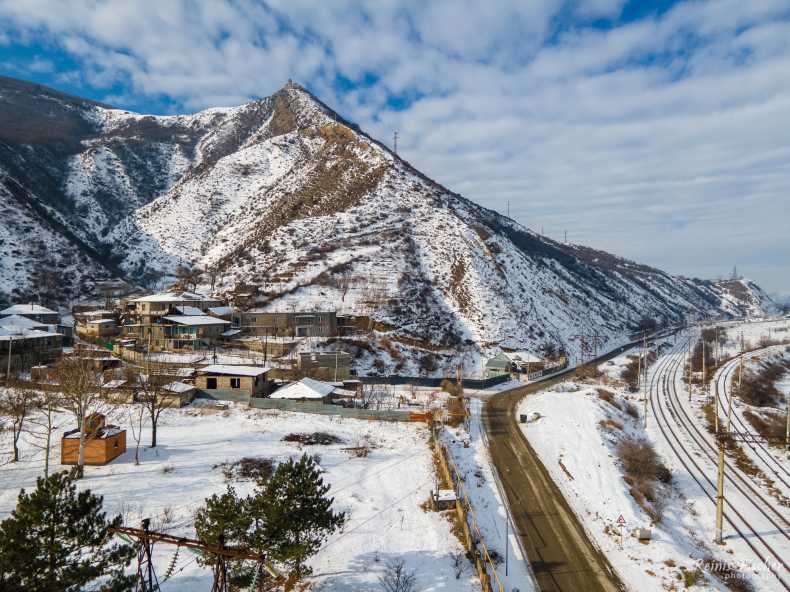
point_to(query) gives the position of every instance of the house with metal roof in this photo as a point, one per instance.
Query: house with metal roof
(34, 312)
(239, 383)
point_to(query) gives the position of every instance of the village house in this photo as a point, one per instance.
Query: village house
(244, 381)
(48, 320)
(286, 324)
(306, 389)
(97, 329)
(103, 443)
(24, 344)
(327, 365)
(148, 309)
(498, 365)
(178, 332)
(34, 312)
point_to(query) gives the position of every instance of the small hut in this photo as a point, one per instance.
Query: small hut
(103, 442)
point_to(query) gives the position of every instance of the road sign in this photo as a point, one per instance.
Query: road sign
(621, 520)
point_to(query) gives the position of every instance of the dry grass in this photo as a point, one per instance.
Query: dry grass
(608, 396)
(610, 425)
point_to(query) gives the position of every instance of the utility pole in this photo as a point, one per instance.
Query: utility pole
(8, 366)
(688, 357)
(704, 377)
(720, 492)
(508, 208)
(566, 237)
(395, 141)
(644, 382)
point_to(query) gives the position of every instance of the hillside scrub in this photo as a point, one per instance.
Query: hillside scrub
(630, 373)
(768, 424)
(644, 473)
(758, 387)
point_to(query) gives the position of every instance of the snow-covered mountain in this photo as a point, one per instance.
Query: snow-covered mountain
(285, 195)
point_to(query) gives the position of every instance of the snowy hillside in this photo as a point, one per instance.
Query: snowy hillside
(285, 195)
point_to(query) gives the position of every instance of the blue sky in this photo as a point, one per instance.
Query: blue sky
(656, 130)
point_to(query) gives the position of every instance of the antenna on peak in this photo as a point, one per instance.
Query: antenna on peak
(395, 141)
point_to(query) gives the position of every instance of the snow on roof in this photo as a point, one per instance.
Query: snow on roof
(20, 321)
(96, 313)
(24, 309)
(221, 310)
(231, 332)
(196, 320)
(522, 356)
(10, 332)
(173, 297)
(235, 370)
(306, 388)
(101, 322)
(179, 387)
(113, 384)
(189, 310)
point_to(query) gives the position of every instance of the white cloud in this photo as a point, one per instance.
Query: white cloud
(657, 139)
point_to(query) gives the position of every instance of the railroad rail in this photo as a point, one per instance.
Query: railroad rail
(668, 410)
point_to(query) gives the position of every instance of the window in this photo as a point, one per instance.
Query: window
(235, 383)
(211, 382)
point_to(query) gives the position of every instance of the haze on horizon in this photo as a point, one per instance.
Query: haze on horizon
(657, 133)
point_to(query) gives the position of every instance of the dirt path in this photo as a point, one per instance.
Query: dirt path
(562, 557)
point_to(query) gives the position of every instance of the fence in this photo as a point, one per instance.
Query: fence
(325, 409)
(472, 537)
(472, 383)
(546, 371)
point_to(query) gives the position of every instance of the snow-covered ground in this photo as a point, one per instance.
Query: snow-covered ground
(575, 432)
(382, 493)
(772, 461)
(753, 332)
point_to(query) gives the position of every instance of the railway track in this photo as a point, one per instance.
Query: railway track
(771, 463)
(681, 434)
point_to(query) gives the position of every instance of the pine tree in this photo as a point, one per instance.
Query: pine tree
(286, 519)
(226, 515)
(293, 515)
(57, 540)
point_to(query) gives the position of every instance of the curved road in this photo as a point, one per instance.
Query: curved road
(561, 555)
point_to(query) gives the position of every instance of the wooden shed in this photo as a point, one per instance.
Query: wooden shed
(103, 443)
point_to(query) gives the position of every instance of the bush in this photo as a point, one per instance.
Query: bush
(640, 460)
(316, 438)
(643, 469)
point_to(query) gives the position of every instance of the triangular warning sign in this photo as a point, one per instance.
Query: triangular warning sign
(621, 520)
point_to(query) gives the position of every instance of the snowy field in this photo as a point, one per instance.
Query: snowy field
(753, 332)
(382, 493)
(571, 428)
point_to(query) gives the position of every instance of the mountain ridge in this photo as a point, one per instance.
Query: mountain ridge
(285, 194)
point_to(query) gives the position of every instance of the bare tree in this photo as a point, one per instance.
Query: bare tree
(17, 404)
(80, 395)
(397, 578)
(188, 277)
(44, 426)
(151, 393)
(136, 416)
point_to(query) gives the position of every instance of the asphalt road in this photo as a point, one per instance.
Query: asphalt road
(562, 558)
